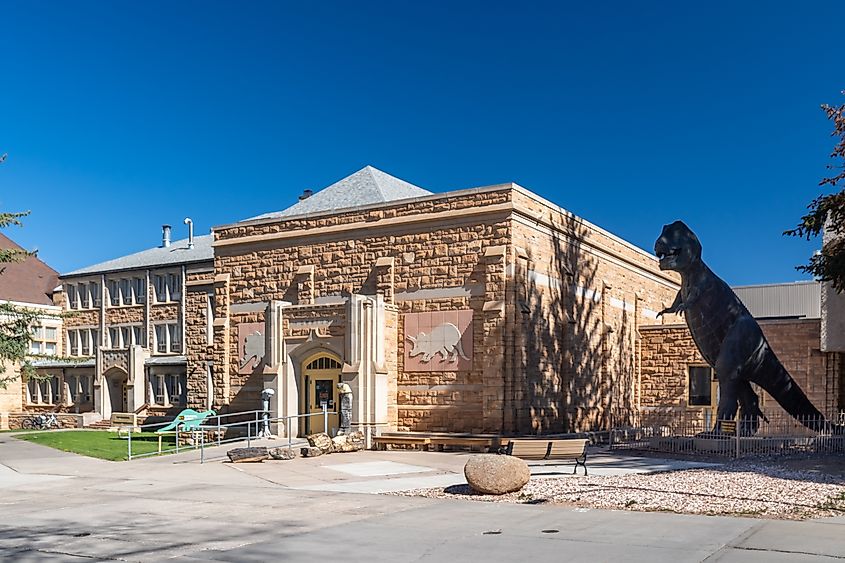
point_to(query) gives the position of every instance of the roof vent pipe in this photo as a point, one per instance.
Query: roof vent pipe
(165, 236)
(306, 194)
(190, 232)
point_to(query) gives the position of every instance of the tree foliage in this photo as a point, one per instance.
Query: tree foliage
(826, 214)
(15, 321)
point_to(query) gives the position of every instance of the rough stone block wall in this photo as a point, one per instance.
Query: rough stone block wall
(668, 350)
(432, 255)
(133, 314)
(578, 296)
(198, 351)
(13, 393)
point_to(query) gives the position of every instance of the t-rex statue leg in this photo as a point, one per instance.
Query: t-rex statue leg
(738, 347)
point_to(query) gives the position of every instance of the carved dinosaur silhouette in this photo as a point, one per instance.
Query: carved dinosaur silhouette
(729, 338)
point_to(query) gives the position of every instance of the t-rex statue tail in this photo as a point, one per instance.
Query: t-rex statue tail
(777, 382)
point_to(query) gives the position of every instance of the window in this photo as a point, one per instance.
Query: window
(161, 338)
(126, 291)
(126, 336)
(324, 363)
(175, 337)
(114, 293)
(174, 285)
(170, 389)
(209, 318)
(71, 296)
(168, 287)
(701, 383)
(78, 388)
(160, 288)
(43, 340)
(139, 287)
(43, 391)
(94, 288)
(83, 341)
(138, 335)
(168, 338)
(83, 295)
(176, 388)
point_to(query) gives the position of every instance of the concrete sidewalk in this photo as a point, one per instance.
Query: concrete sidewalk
(401, 470)
(172, 508)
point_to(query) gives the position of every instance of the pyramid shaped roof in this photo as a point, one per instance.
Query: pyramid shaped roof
(367, 186)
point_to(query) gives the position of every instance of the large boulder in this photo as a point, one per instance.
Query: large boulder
(321, 440)
(281, 453)
(310, 452)
(248, 455)
(494, 474)
(352, 442)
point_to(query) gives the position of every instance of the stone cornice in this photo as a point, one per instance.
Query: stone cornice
(442, 217)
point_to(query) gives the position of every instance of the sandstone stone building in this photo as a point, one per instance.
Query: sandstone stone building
(484, 310)
(124, 332)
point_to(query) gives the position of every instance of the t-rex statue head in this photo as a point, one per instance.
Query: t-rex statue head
(677, 248)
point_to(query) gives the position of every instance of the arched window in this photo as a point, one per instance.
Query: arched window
(324, 362)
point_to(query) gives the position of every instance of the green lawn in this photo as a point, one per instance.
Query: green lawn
(99, 443)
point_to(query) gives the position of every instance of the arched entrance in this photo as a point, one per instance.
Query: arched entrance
(318, 382)
(117, 389)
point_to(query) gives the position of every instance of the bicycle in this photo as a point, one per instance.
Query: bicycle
(40, 422)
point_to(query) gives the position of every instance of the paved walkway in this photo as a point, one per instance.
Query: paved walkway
(61, 507)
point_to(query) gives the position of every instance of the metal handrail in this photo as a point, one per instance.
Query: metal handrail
(257, 420)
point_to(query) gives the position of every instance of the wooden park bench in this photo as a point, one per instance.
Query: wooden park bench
(486, 444)
(381, 442)
(539, 449)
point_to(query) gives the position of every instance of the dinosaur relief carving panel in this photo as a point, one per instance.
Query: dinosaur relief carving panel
(251, 340)
(438, 341)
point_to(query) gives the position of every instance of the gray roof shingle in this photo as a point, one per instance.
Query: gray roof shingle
(365, 187)
(175, 254)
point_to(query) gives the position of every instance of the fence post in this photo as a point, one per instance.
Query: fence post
(218, 430)
(737, 441)
(287, 429)
(202, 446)
(248, 434)
(325, 417)
(177, 438)
(129, 445)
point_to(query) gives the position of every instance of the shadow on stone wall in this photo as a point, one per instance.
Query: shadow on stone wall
(576, 365)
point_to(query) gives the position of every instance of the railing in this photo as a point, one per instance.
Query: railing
(249, 426)
(696, 433)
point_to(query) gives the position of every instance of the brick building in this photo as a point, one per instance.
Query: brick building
(674, 378)
(29, 284)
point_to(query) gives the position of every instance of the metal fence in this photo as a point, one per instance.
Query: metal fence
(243, 426)
(696, 434)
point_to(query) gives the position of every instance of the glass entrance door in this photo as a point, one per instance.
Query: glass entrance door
(321, 376)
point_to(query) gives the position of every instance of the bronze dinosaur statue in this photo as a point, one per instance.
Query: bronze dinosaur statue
(729, 338)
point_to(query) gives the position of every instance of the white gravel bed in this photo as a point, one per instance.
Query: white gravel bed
(737, 489)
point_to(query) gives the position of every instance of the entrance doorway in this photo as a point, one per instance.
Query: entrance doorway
(118, 390)
(320, 376)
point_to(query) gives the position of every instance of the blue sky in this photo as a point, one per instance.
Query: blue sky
(121, 116)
